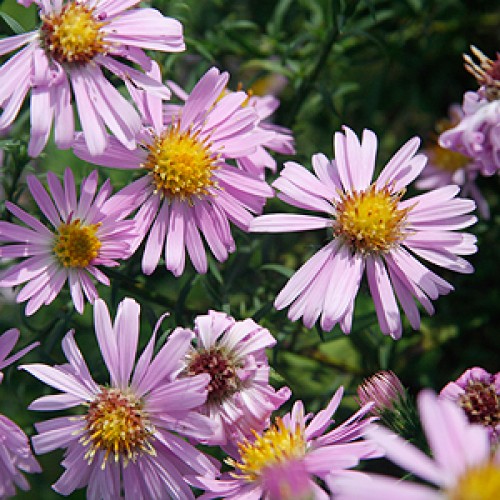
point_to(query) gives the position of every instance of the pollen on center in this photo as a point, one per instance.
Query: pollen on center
(277, 445)
(76, 244)
(117, 425)
(370, 221)
(181, 164)
(74, 35)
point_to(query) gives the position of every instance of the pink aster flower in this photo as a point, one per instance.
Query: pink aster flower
(15, 451)
(477, 135)
(477, 392)
(239, 395)
(374, 230)
(463, 465)
(65, 56)
(447, 167)
(283, 462)
(281, 141)
(88, 233)
(126, 440)
(189, 190)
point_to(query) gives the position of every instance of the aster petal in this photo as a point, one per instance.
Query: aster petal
(194, 244)
(156, 240)
(91, 122)
(64, 123)
(324, 417)
(407, 456)
(383, 297)
(369, 145)
(166, 361)
(54, 433)
(11, 43)
(106, 338)
(444, 259)
(126, 330)
(278, 223)
(60, 380)
(383, 487)
(75, 290)
(43, 200)
(43, 233)
(304, 275)
(397, 165)
(175, 244)
(216, 234)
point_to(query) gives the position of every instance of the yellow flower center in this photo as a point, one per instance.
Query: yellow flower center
(76, 245)
(479, 483)
(117, 424)
(181, 164)
(277, 445)
(73, 35)
(370, 220)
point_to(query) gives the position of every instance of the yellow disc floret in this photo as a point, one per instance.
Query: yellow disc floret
(181, 164)
(76, 245)
(117, 425)
(479, 483)
(277, 445)
(73, 35)
(370, 221)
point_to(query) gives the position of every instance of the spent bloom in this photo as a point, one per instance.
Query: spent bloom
(188, 189)
(281, 141)
(477, 392)
(127, 438)
(66, 56)
(283, 461)
(15, 452)
(446, 167)
(239, 395)
(87, 233)
(463, 466)
(477, 135)
(373, 230)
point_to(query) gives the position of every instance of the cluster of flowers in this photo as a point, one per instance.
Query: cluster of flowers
(201, 167)
(210, 385)
(468, 144)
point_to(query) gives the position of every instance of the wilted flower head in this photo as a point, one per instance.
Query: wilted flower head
(462, 466)
(127, 438)
(65, 56)
(282, 462)
(15, 451)
(189, 190)
(373, 230)
(447, 167)
(233, 353)
(88, 233)
(477, 134)
(478, 393)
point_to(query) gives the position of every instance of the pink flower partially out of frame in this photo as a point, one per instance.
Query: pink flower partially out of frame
(15, 452)
(188, 189)
(374, 231)
(477, 392)
(128, 438)
(65, 57)
(88, 233)
(284, 461)
(463, 465)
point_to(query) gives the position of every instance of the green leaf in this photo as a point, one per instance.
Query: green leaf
(12, 23)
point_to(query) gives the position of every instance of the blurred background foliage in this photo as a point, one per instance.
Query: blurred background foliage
(392, 66)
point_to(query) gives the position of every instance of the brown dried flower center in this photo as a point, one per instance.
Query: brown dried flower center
(222, 370)
(481, 403)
